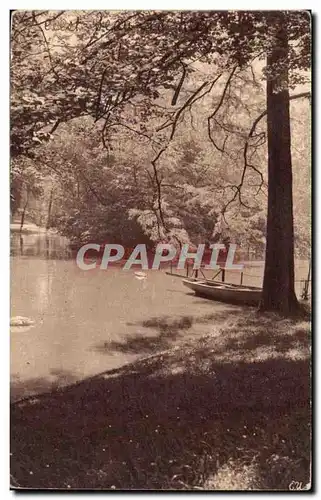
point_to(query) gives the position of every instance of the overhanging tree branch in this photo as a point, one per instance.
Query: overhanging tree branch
(179, 86)
(246, 164)
(218, 106)
(163, 149)
(264, 113)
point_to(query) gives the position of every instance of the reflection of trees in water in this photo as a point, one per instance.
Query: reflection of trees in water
(49, 246)
(43, 289)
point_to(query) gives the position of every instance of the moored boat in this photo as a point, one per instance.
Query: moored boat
(225, 292)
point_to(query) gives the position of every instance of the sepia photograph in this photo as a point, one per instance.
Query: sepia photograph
(160, 250)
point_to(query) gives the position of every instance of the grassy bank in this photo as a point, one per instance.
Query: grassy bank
(226, 411)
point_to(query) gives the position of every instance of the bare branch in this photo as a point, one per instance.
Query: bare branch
(100, 91)
(104, 131)
(179, 86)
(138, 132)
(47, 45)
(208, 90)
(264, 113)
(212, 115)
(227, 84)
(246, 164)
(115, 26)
(55, 126)
(185, 105)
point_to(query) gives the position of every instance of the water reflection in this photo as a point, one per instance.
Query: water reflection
(75, 311)
(42, 244)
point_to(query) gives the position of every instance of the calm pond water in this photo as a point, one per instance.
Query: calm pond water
(86, 322)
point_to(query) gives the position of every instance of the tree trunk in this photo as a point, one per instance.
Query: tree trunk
(278, 284)
(15, 195)
(49, 210)
(24, 211)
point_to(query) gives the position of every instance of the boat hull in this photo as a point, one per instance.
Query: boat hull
(225, 292)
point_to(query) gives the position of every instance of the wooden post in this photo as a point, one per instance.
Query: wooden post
(305, 292)
(241, 278)
(223, 274)
(309, 272)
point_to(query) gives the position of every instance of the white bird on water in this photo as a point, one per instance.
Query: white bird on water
(140, 275)
(21, 321)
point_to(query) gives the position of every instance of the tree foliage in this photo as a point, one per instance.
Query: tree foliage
(154, 121)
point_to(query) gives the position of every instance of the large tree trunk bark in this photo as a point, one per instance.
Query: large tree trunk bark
(278, 284)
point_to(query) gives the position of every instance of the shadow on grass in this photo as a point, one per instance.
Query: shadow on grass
(168, 330)
(262, 337)
(36, 385)
(177, 420)
(163, 331)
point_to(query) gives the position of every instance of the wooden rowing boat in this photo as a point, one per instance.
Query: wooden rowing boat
(225, 292)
